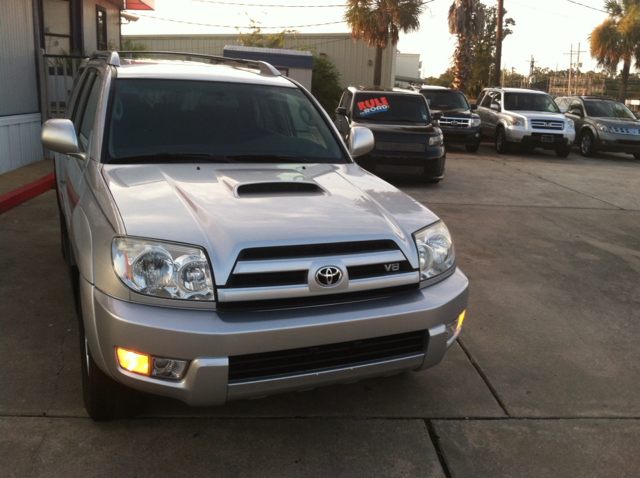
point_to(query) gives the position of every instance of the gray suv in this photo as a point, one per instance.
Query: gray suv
(223, 244)
(602, 124)
(528, 118)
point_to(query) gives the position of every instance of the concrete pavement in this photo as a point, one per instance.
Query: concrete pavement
(544, 381)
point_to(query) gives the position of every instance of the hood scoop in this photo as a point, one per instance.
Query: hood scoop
(253, 183)
(279, 188)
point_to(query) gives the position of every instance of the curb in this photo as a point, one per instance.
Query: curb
(31, 190)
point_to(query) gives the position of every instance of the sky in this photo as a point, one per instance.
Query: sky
(545, 29)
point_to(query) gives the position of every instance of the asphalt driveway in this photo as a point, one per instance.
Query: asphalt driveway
(544, 380)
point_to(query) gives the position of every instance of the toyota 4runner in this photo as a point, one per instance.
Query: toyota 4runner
(530, 118)
(223, 244)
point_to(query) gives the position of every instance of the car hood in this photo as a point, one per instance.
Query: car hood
(617, 122)
(539, 115)
(454, 114)
(226, 208)
(397, 128)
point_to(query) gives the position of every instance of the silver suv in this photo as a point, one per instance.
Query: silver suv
(223, 244)
(514, 116)
(602, 124)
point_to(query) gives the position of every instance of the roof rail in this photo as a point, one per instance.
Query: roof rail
(113, 58)
(110, 57)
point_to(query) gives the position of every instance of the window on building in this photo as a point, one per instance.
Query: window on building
(101, 27)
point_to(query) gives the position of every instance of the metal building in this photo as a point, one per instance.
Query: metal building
(354, 60)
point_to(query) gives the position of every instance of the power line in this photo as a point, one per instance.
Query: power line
(232, 26)
(264, 5)
(587, 6)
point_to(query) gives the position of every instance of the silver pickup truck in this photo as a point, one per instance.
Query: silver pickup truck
(223, 244)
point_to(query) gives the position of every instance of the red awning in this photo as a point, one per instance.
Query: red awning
(139, 4)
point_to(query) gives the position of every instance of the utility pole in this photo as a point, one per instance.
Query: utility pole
(571, 66)
(497, 68)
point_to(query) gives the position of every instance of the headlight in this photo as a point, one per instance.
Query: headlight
(603, 127)
(515, 121)
(570, 124)
(475, 121)
(162, 269)
(435, 250)
(436, 140)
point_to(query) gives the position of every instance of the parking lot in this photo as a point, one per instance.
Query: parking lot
(543, 382)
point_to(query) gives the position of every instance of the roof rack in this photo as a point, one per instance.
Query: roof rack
(113, 58)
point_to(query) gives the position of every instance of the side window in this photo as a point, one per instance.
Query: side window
(497, 99)
(345, 102)
(486, 101)
(86, 111)
(576, 105)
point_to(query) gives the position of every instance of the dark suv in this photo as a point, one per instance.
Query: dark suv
(408, 141)
(602, 124)
(458, 122)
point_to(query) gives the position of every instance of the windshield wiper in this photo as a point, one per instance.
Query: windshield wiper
(172, 158)
(266, 158)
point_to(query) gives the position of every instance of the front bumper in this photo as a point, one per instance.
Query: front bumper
(462, 135)
(618, 143)
(208, 339)
(429, 164)
(540, 138)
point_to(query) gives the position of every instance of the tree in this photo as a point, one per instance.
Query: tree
(379, 22)
(445, 79)
(325, 84)
(483, 49)
(617, 39)
(259, 39)
(466, 20)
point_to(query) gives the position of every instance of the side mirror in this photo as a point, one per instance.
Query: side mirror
(576, 112)
(495, 107)
(59, 135)
(341, 111)
(474, 107)
(563, 110)
(437, 116)
(361, 141)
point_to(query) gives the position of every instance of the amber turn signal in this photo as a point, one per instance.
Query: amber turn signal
(133, 361)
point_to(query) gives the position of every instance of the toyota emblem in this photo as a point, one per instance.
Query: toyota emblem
(329, 276)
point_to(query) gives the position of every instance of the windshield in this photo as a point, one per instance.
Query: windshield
(384, 107)
(446, 100)
(529, 102)
(607, 109)
(178, 120)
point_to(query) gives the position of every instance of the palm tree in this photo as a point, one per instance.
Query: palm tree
(466, 19)
(379, 21)
(618, 39)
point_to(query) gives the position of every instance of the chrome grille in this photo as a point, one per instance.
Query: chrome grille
(624, 130)
(278, 273)
(454, 122)
(544, 124)
(401, 147)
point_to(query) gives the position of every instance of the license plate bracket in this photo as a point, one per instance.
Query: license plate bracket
(547, 138)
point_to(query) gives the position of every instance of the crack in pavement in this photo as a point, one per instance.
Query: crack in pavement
(61, 368)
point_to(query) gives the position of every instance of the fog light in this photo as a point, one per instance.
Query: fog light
(168, 368)
(454, 327)
(133, 361)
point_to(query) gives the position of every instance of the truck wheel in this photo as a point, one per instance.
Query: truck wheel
(587, 144)
(104, 398)
(563, 153)
(501, 141)
(472, 148)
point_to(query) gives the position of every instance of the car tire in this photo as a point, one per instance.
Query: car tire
(563, 153)
(104, 398)
(501, 141)
(472, 148)
(64, 238)
(587, 144)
